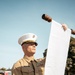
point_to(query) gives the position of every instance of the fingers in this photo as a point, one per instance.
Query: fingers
(72, 31)
(65, 27)
(46, 18)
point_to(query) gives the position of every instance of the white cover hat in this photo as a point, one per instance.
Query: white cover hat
(27, 37)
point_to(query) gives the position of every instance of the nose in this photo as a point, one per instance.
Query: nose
(34, 45)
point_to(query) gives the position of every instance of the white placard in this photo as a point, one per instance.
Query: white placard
(57, 50)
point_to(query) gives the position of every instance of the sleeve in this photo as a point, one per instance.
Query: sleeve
(72, 31)
(16, 69)
(42, 60)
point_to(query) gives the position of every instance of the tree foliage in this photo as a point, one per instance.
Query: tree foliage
(3, 68)
(70, 64)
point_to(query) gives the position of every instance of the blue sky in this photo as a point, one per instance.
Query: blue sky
(18, 17)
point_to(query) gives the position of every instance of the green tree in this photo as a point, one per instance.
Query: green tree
(70, 64)
(4, 69)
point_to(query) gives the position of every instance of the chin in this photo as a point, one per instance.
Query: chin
(33, 52)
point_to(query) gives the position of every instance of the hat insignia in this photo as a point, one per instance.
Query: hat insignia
(33, 36)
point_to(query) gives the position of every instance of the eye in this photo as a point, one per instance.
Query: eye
(32, 43)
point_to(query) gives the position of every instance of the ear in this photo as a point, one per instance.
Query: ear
(22, 46)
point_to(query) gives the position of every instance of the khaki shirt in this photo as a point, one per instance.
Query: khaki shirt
(25, 67)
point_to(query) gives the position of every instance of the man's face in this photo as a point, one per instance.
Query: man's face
(29, 48)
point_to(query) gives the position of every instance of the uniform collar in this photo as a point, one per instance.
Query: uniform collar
(28, 59)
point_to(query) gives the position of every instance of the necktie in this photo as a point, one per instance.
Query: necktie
(33, 66)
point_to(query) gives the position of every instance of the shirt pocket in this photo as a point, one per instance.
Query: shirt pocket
(27, 70)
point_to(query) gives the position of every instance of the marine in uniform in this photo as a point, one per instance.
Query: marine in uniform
(28, 65)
